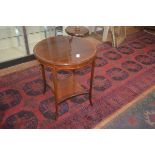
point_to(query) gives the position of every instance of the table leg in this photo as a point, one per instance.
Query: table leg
(91, 82)
(105, 33)
(113, 37)
(44, 77)
(55, 90)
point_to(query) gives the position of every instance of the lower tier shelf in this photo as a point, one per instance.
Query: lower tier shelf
(67, 88)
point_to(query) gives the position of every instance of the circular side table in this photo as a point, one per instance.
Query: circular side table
(65, 53)
(78, 31)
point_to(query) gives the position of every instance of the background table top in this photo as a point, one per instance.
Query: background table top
(79, 31)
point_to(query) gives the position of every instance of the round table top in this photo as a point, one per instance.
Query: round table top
(79, 31)
(65, 52)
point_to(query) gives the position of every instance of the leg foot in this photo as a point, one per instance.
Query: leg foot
(90, 100)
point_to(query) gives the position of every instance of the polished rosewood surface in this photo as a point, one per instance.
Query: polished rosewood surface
(64, 51)
(79, 31)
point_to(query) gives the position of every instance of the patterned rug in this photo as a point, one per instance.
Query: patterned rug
(120, 76)
(139, 116)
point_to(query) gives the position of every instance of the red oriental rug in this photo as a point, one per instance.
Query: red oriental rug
(121, 74)
(141, 115)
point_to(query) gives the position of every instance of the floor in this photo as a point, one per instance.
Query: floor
(11, 53)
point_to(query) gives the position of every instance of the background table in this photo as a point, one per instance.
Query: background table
(79, 31)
